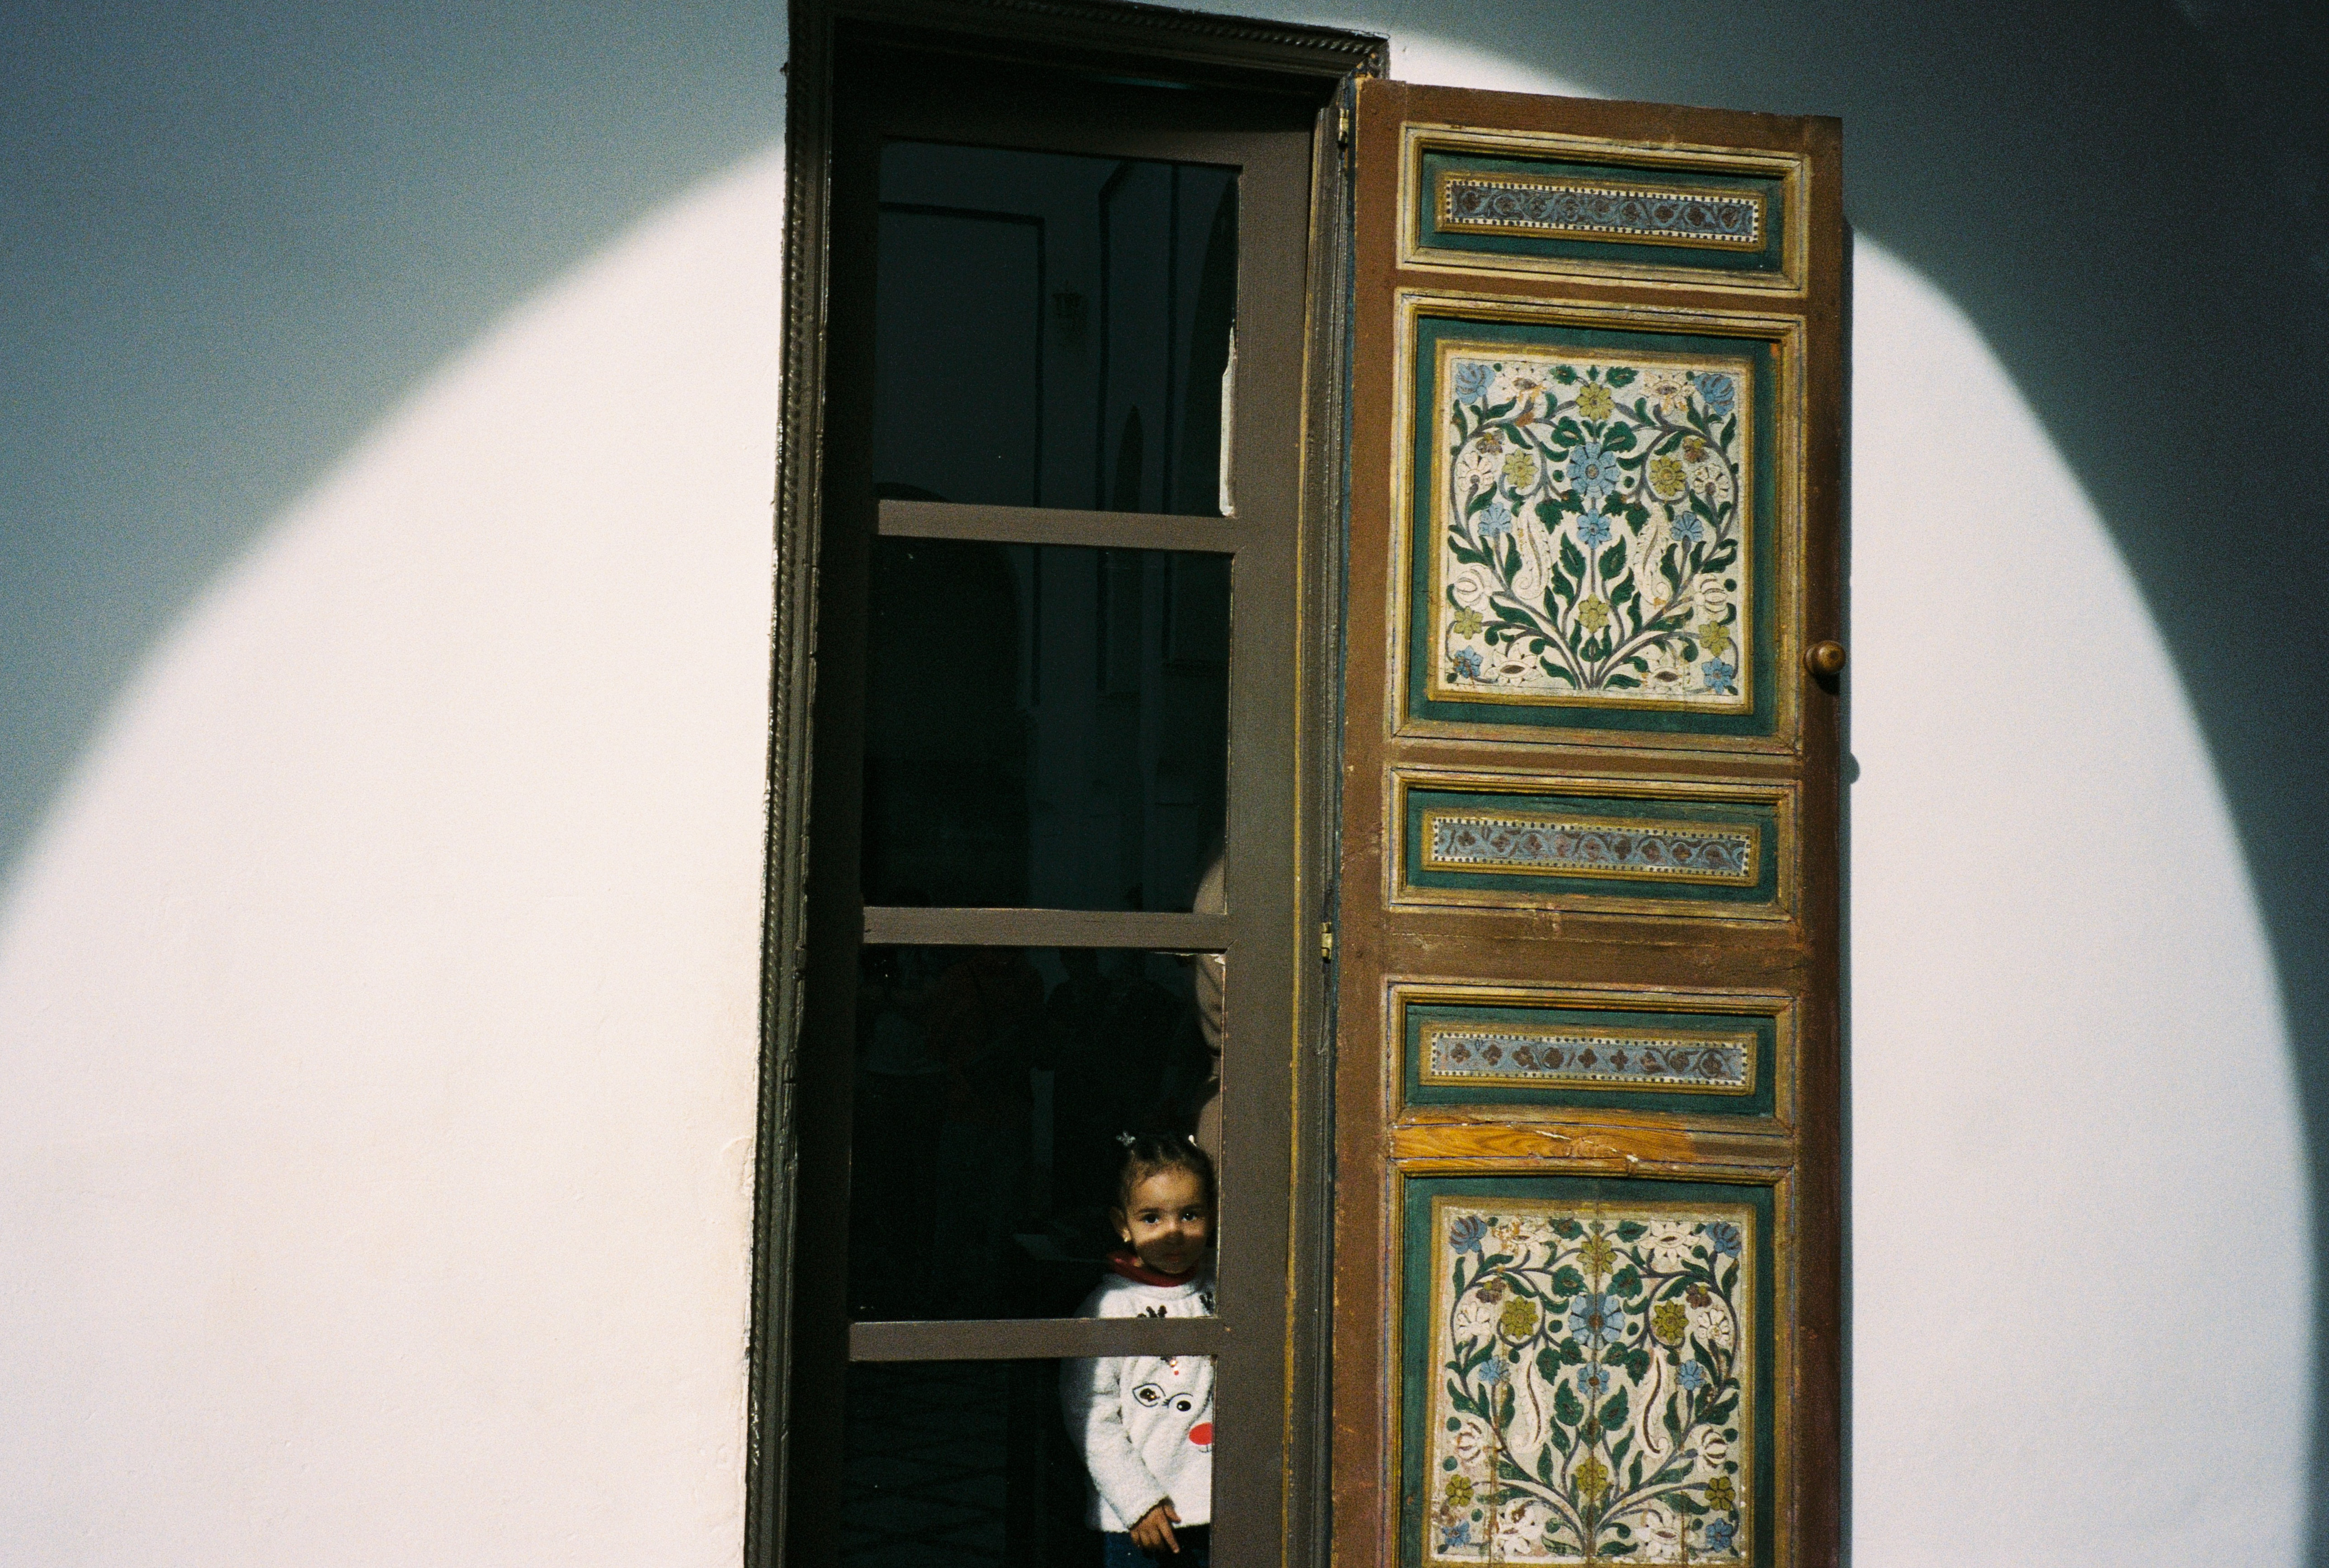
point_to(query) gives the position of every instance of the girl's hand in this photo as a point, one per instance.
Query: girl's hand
(1153, 1534)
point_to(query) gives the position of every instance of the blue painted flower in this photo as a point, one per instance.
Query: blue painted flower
(1716, 392)
(1494, 1369)
(1496, 521)
(1690, 1375)
(1592, 472)
(1686, 525)
(1722, 1233)
(1469, 1232)
(1594, 529)
(1597, 1319)
(1466, 661)
(1592, 1383)
(1473, 380)
(1720, 676)
(1718, 1533)
(1458, 1534)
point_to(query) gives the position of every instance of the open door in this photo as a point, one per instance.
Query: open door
(1588, 1192)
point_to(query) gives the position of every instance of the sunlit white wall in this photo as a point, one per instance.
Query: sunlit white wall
(377, 1012)
(377, 1009)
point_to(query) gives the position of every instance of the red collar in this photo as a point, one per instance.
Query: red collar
(1131, 1268)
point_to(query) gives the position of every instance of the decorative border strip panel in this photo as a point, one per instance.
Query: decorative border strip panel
(1647, 847)
(1555, 844)
(1473, 202)
(1585, 207)
(1586, 1058)
(1590, 1372)
(1595, 525)
(1470, 1047)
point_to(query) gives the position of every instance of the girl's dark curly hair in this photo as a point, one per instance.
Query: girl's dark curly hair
(1145, 1154)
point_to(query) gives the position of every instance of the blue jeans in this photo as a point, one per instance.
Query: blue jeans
(1117, 1550)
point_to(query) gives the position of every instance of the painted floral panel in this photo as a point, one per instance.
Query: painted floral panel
(1591, 1368)
(1592, 531)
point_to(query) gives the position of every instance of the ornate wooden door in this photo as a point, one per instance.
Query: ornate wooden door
(1589, 1185)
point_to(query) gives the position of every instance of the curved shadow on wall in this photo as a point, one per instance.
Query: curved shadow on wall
(238, 236)
(2133, 205)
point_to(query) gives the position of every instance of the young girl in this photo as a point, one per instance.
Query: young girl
(1146, 1422)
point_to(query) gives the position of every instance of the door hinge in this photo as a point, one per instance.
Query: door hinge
(1325, 942)
(1342, 125)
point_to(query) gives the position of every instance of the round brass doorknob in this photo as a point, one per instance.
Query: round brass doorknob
(1823, 658)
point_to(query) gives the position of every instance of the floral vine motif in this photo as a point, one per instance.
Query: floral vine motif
(1593, 532)
(1590, 1403)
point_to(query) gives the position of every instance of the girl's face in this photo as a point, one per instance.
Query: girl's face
(1169, 1223)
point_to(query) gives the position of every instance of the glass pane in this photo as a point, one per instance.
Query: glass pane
(1046, 726)
(991, 1087)
(956, 1463)
(1052, 330)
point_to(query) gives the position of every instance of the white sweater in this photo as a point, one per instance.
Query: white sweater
(1146, 1422)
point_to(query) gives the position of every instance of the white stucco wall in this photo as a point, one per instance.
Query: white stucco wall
(377, 1006)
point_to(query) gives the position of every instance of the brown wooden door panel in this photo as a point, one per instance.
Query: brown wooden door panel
(1587, 1226)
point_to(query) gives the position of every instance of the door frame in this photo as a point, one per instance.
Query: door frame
(1320, 66)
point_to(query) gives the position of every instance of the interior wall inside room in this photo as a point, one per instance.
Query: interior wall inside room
(379, 946)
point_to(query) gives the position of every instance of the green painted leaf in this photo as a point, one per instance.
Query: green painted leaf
(1636, 513)
(1566, 1229)
(1566, 1410)
(1619, 439)
(1634, 1473)
(1613, 1411)
(1631, 1230)
(1559, 1436)
(1637, 1362)
(1567, 1282)
(1564, 375)
(1613, 561)
(1626, 682)
(1620, 375)
(1572, 561)
(1626, 1282)
(1686, 1503)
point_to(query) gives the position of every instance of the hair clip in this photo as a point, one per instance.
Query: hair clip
(1125, 1139)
